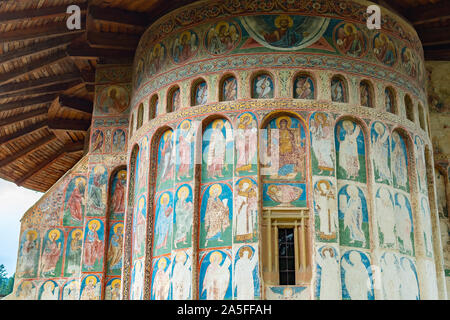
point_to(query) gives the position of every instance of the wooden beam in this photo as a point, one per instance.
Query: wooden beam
(74, 147)
(428, 13)
(27, 102)
(69, 148)
(69, 125)
(48, 12)
(89, 53)
(27, 130)
(31, 148)
(76, 103)
(23, 116)
(36, 48)
(39, 83)
(109, 40)
(53, 88)
(434, 35)
(32, 67)
(49, 30)
(116, 15)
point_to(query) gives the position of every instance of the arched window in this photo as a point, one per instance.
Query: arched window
(262, 86)
(140, 116)
(338, 89)
(389, 100)
(173, 99)
(366, 94)
(304, 87)
(420, 110)
(228, 88)
(199, 94)
(409, 108)
(116, 214)
(153, 107)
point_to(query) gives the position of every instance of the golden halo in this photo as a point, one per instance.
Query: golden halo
(54, 231)
(181, 256)
(78, 181)
(95, 221)
(379, 128)
(156, 48)
(185, 125)
(77, 231)
(383, 38)
(113, 283)
(183, 190)
(26, 284)
(216, 123)
(320, 115)
(346, 125)
(88, 278)
(34, 233)
(122, 174)
(241, 183)
(283, 17)
(186, 33)
(215, 187)
(99, 169)
(348, 26)
(118, 90)
(117, 226)
(51, 282)
(288, 119)
(221, 24)
(243, 249)
(167, 135)
(320, 183)
(162, 263)
(165, 198)
(215, 254)
(141, 203)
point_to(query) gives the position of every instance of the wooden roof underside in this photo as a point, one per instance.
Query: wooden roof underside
(47, 72)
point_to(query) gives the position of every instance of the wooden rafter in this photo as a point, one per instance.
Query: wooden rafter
(31, 148)
(433, 35)
(108, 40)
(89, 53)
(75, 103)
(36, 48)
(23, 116)
(69, 148)
(27, 102)
(49, 30)
(32, 67)
(428, 13)
(52, 88)
(69, 125)
(47, 12)
(116, 15)
(27, 130)
(39, 83)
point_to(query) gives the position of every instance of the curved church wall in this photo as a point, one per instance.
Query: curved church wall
(251, 118)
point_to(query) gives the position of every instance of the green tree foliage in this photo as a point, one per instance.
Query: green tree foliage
(6, 284)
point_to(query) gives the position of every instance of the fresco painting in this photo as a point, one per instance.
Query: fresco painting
(93, 246)
(161, 279)
(304, 87)
(351, 151)
(115, 249)
(246, 143)
(245, 220)
(90, 288)
(181, 275)
(52, 251)
(356, 276)
(381, 153)
(74, 203)
(246, 283)
(72, 264)
(328, 284)
(326, 213)
(222, 37)
(96, 201)
(186, 134)
(118, 195)
(217, 152)
(29, 249)
(183, 215)
(399, 162)
(216, 214)
(215, 276)
(49, 291)
(353, 217)
(163, 222)
(322, 146)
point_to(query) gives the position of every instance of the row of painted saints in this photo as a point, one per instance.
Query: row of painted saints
(98, 141)
(280, 33)
(356, 277)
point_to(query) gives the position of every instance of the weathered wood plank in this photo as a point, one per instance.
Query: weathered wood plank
(27, 102)
(53, 88)
(31, 148)
(32, 67)
(76, 103)
(109, 40)
(47, 12)
(27, 130)
(23, 116)
(69, 125)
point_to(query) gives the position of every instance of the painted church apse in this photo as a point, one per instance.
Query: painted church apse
(255, 150)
